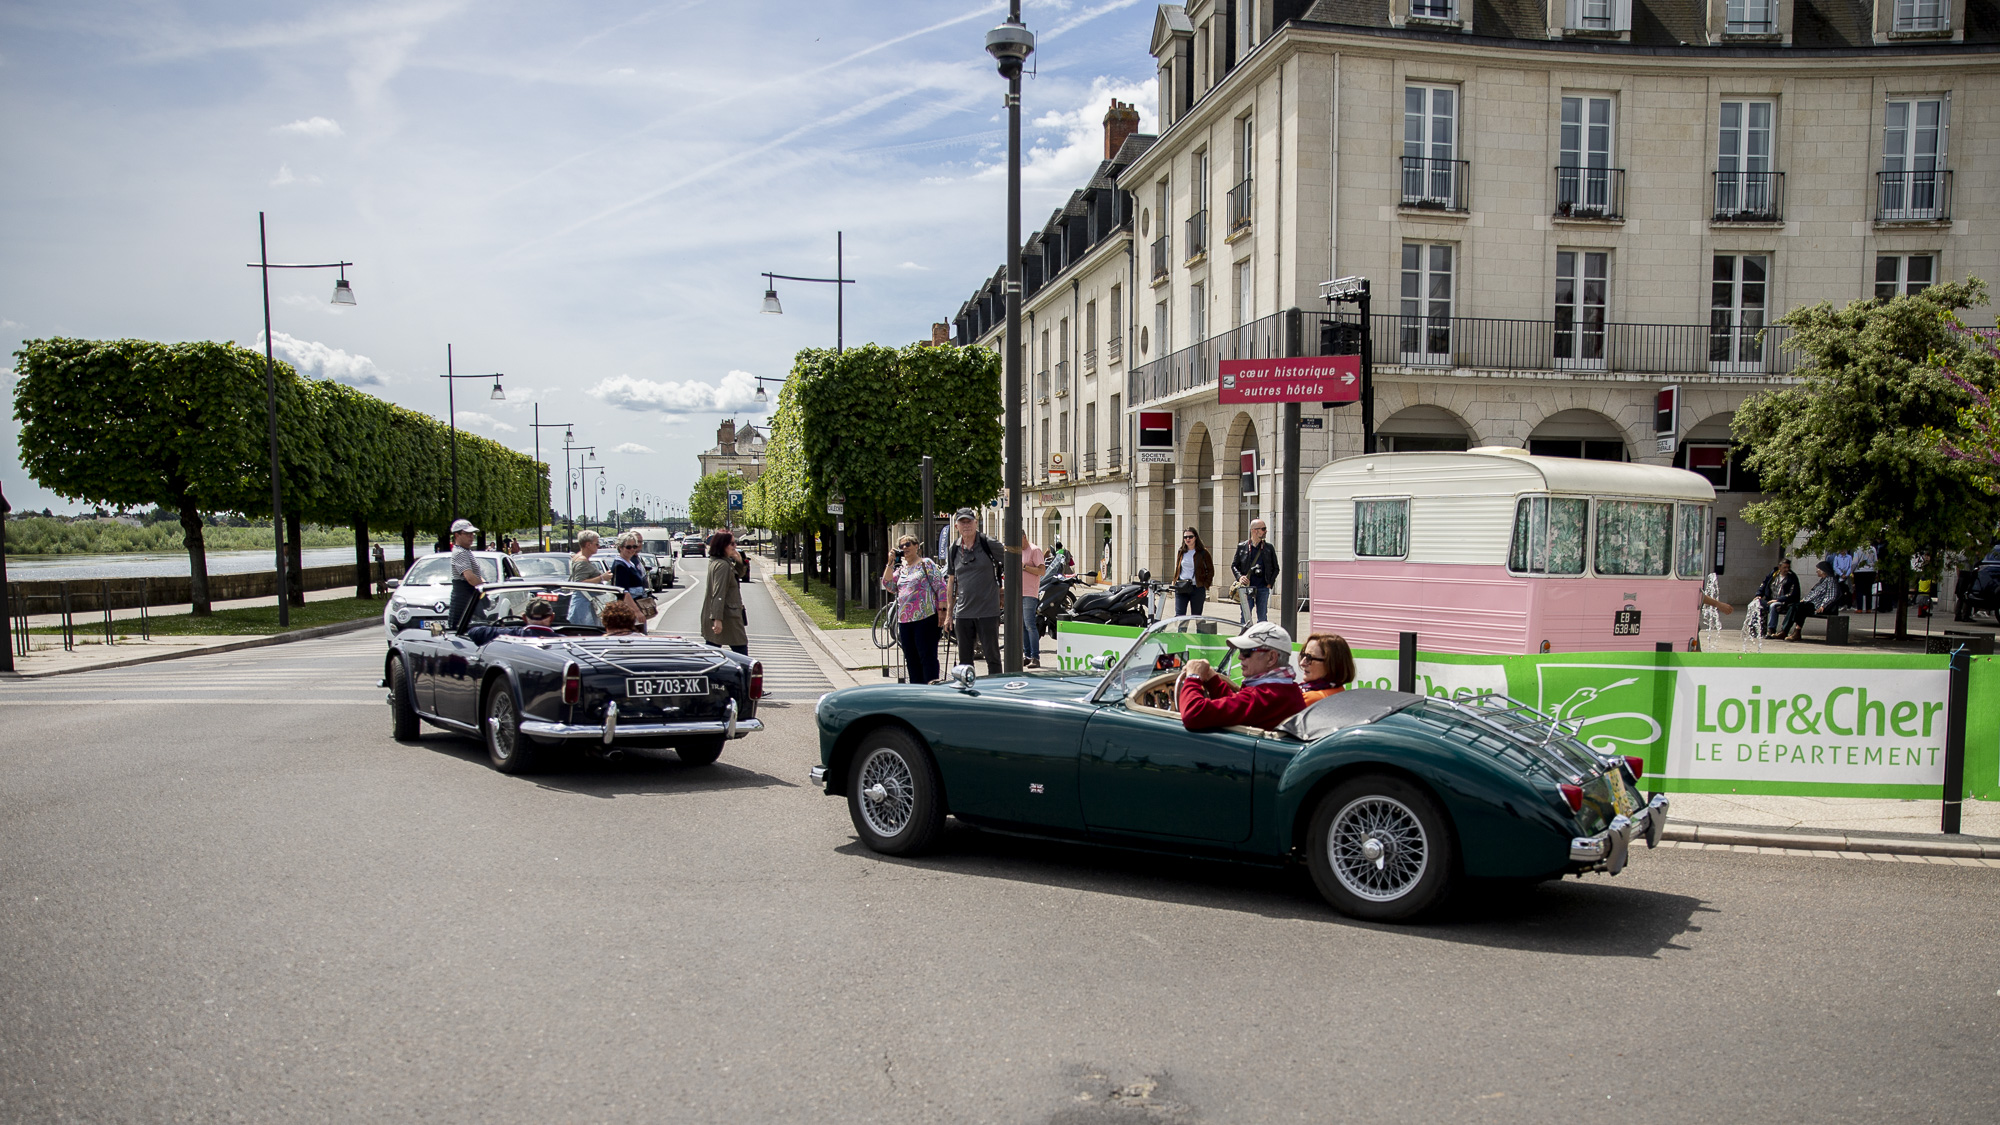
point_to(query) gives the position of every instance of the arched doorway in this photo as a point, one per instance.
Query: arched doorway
(1094, 553)
(1579, 433)
(1423, 429)
(1200, 465)
(1249, 505)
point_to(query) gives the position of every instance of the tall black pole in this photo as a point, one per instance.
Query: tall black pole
(451, 401)
(1288, 532)
(6, 598)
(1367, 374)
(1956, 696)
(1010, 44)
(271, 420)
(539, 504)
(839, 292)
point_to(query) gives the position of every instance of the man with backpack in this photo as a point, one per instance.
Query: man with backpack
(1256, 569)
(972, 592)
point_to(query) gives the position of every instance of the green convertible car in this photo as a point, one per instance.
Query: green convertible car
(1388, 798)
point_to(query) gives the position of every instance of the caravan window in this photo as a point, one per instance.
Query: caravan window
(1381, 529)
(1548, 535)
(1692, 538)
(1633, 537)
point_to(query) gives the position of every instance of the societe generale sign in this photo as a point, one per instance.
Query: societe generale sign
(1329, 378)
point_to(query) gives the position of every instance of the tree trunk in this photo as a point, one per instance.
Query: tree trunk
(362, 586)
(409, 546)
(296, 554)
(1902, 576)
(197, 556)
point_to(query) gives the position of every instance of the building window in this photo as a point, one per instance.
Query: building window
(1430, 137)
(1582, 282)
(1062, 432)
(1161, 328)
(1426, 303)
(1434, 10)
(1922, 15)
(1090, 430)
(1046, 449)
(1736, 309)
(1090, 329)
(1743, 180)
(1197, 313)
(1117, 325)
(1748, 17)
(1246, 293)
(1913, 149)
(1593, 15)
(1904, 274)
(1583, 176)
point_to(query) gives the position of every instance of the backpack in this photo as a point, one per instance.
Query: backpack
(982, 543)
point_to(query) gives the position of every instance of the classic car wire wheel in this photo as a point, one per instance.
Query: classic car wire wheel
(888, 791)
(1377, 848)
(501, 727)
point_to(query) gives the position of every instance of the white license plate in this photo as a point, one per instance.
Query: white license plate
(666, 685)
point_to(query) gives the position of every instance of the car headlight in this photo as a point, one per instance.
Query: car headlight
(403, 615)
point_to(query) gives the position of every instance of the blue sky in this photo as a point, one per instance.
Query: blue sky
(580, 195)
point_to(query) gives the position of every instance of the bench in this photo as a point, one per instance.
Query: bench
(1836, 627)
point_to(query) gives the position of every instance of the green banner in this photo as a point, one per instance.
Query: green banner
(1796, 724)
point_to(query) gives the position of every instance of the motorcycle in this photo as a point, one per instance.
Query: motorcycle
(1132, 603)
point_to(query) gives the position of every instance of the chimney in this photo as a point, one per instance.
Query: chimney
(940, 334)
(725, 438)
(1120, 121)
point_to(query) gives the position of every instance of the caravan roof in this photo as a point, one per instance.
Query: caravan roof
(1506, 470)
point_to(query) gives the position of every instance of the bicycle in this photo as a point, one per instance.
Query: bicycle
(883, 631)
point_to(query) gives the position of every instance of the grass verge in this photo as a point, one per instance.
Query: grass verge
(818, 603)
(250, 621)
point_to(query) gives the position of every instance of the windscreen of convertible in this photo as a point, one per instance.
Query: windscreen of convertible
(574, 609)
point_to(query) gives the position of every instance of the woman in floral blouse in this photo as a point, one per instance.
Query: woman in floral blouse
(919, 584)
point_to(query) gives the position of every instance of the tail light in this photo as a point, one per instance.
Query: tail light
(572, 684)
(1638, 765)
(756, 679)
(1574, 795)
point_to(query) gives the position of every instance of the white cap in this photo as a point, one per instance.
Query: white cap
(462, 525)
(1264, 634)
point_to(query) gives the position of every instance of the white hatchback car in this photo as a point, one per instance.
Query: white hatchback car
(424, 594)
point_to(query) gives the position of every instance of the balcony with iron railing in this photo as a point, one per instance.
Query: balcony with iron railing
(1197, 235)
(1042, 386)
(1435, 185)
(1590, 194)
(1114, 349)
(1239, 207)
(1089, 360)
(1062, 379)
(1161, 266)
(1114, 459)
(1749, 197)
(1571, 345)
(1922, 196)
(1090, 461)
(1750, 27)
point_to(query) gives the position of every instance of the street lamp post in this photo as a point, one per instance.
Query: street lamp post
(343, 294)
(569, 481)
(1354, 290)
(541, 503)
(1010, 44)
(839, 281)
(499, 394)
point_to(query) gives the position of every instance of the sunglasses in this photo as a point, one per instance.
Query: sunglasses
(1185, 538)
(1304, 657)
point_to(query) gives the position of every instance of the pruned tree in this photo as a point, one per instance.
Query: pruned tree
(708, 502)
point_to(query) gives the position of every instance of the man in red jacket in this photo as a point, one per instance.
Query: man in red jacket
(1268, 696)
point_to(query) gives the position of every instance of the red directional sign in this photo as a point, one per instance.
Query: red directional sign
(1329, 378)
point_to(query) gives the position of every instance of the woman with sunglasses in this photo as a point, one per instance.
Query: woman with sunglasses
(1326, 664)
(918, 584)
(627, 576)
(1194, 573)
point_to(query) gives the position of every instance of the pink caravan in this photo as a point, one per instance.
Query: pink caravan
(1497, 551)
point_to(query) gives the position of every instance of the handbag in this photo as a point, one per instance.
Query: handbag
(648, 605)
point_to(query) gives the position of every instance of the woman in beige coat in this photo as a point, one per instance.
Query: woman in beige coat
(722, 603)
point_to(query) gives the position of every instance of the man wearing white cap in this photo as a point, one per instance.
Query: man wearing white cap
(1268, 696)
(465, 577)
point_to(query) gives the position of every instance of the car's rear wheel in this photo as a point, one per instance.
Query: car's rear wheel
(700, 751)
(403, 721)
(508, 749)
(1381, 849)
(893, 793)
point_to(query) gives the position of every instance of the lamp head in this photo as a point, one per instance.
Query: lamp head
(771, 302)
(499, 393)
(1343, 288)
(1010, 44)
(762, 398)
(343, 293)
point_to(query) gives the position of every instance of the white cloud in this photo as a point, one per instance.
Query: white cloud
(487, 420)
(737, 391)
(1068, 164)
(313, 127)
(285, 176)
(914, 266)
(631, 447)
(315, 360)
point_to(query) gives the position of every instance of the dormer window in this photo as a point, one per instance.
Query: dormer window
(1750, 17)
(1922, 15)
(1444, 11)
(1606, 17)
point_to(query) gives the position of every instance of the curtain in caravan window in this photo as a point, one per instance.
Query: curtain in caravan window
(1548, 535)
(1633, 537)
(1381, 528)
(1691, 541)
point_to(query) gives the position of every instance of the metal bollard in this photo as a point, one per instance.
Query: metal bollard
(69, 624)
(1406, 663)
(109, 639)
(145, 602)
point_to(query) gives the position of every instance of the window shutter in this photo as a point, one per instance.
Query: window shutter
(1573, 14)
(1621, 15)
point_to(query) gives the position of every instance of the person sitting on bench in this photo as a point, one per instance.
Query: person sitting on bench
(1824, 600)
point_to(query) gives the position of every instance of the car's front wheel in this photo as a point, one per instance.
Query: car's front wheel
(1381, 849)
(893, 793)
(509, 750)
(403, 721)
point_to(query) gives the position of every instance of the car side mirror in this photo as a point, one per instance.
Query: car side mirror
(964, 676)
(392, 583)
(436, 628)
(1096, 663)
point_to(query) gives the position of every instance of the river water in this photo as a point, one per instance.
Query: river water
(171, 564)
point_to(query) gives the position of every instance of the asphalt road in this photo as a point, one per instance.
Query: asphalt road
(226, 893)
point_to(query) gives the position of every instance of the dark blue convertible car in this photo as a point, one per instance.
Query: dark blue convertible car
(526, 690)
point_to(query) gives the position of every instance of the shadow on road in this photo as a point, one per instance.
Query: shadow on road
(1589, 917)
(575, 771)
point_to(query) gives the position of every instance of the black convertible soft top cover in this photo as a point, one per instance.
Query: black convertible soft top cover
(1355, 707)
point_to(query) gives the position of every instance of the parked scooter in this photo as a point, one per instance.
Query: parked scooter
(1128, 604)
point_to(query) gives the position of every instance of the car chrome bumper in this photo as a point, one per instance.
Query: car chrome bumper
(614, 728)
(1609, 849)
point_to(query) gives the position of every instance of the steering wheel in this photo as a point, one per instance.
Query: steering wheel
(1161, 693)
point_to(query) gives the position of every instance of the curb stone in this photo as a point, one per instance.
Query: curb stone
(313, 633)
(1831, 841)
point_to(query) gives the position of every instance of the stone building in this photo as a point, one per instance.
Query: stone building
(1561, 206)
(736, 447)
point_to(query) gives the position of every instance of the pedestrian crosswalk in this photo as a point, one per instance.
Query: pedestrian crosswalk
(790, 672)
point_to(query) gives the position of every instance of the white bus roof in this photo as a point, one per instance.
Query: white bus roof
(1503, 470)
